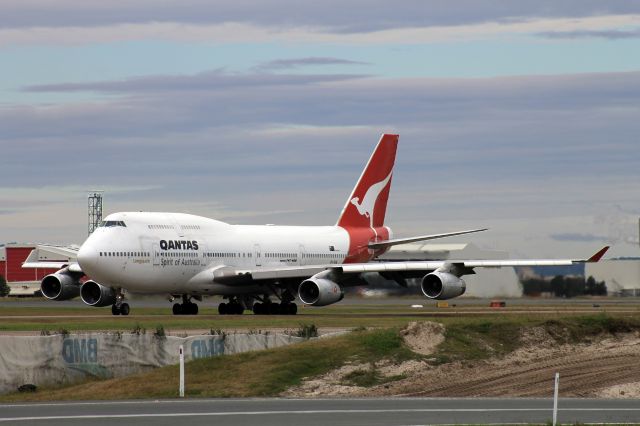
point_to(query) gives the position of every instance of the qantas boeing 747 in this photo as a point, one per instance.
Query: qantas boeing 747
(260, 268)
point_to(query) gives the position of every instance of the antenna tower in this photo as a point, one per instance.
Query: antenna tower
(95, 210)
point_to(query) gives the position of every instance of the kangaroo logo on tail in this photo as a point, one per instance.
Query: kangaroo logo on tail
(370, 195)
(366, 206)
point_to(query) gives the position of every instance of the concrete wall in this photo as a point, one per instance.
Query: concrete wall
(55, 360)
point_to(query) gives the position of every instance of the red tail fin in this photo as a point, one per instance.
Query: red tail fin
(367, 205)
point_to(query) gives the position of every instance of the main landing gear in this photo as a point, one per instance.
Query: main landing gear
(233, 307)
(120, 307)
(264, 305)
(187, 307)
(270, 308)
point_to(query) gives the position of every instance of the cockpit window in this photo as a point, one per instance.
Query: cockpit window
(110, 223)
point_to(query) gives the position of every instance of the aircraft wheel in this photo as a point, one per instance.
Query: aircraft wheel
(274, 309)
(293, 309)
(193, 310)
(283, 308)
(222, 309)
(258, 308)
(177, 309)
(115, 310)
(124, 309)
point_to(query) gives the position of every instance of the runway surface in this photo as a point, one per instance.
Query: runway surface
(160, 302)
(312, 412)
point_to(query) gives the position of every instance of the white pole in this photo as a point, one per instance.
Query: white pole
(181, 371)
(555, 399)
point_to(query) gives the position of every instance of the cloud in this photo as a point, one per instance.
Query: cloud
(151, 111)
(528, 156)
(282, 64)
(216, 80)
(579, 237)
(531, 128)
(333, 15)
(605, 34)
(76, 22)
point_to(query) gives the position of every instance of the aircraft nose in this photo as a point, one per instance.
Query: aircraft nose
(87, 258)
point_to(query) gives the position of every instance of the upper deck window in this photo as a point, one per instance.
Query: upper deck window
(110, 223)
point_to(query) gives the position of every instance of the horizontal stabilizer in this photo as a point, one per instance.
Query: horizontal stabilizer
(397, 241)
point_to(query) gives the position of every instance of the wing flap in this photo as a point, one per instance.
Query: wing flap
(507, 263)
(294, 272)
(398, 241)
(42, 265)
(351, 268)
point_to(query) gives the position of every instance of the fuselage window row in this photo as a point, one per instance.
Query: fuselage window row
(124, 254)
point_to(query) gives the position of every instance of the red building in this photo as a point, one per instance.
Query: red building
(26, 281)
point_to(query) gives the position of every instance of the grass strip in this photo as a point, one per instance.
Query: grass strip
(270, 372)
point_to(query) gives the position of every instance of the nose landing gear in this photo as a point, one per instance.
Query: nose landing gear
(120, 307)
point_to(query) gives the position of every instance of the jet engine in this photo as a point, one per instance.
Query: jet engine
(319, 292)
(94, 294)
(60, 286)
(442, 285)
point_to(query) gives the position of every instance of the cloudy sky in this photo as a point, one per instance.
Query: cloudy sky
(520, 116)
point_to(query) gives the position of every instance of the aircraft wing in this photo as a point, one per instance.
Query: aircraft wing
(463, 265)
(32, 261)
(71, 266)
(459, 267)
(397, 241)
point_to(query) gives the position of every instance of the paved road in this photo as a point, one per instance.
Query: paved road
(312, 412)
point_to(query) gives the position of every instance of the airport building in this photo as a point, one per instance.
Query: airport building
(486, 282)
(622, 276)
(23, 281)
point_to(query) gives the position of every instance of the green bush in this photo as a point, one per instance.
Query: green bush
(4, 288)
(307, 331)
(160, 333)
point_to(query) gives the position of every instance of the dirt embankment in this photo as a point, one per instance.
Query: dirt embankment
(605, 365)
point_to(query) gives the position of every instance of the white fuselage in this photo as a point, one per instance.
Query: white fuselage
(168, 252)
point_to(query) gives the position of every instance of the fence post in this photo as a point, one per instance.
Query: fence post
(181, 371)
(555, 399)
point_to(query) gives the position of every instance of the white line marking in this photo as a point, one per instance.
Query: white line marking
(216, 400)
(281, 412)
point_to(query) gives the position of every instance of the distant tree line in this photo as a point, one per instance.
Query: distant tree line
(562, 286)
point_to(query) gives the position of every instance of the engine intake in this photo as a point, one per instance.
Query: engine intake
(319, 292)
(94, 294)
(442, 285)
(60, 286)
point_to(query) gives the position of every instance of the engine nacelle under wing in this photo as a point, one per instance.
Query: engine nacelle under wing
(319, 292)
(94, 294)
(60, 286)
(442, 285)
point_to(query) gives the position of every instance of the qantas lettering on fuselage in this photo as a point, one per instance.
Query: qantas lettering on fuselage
(178, 245)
